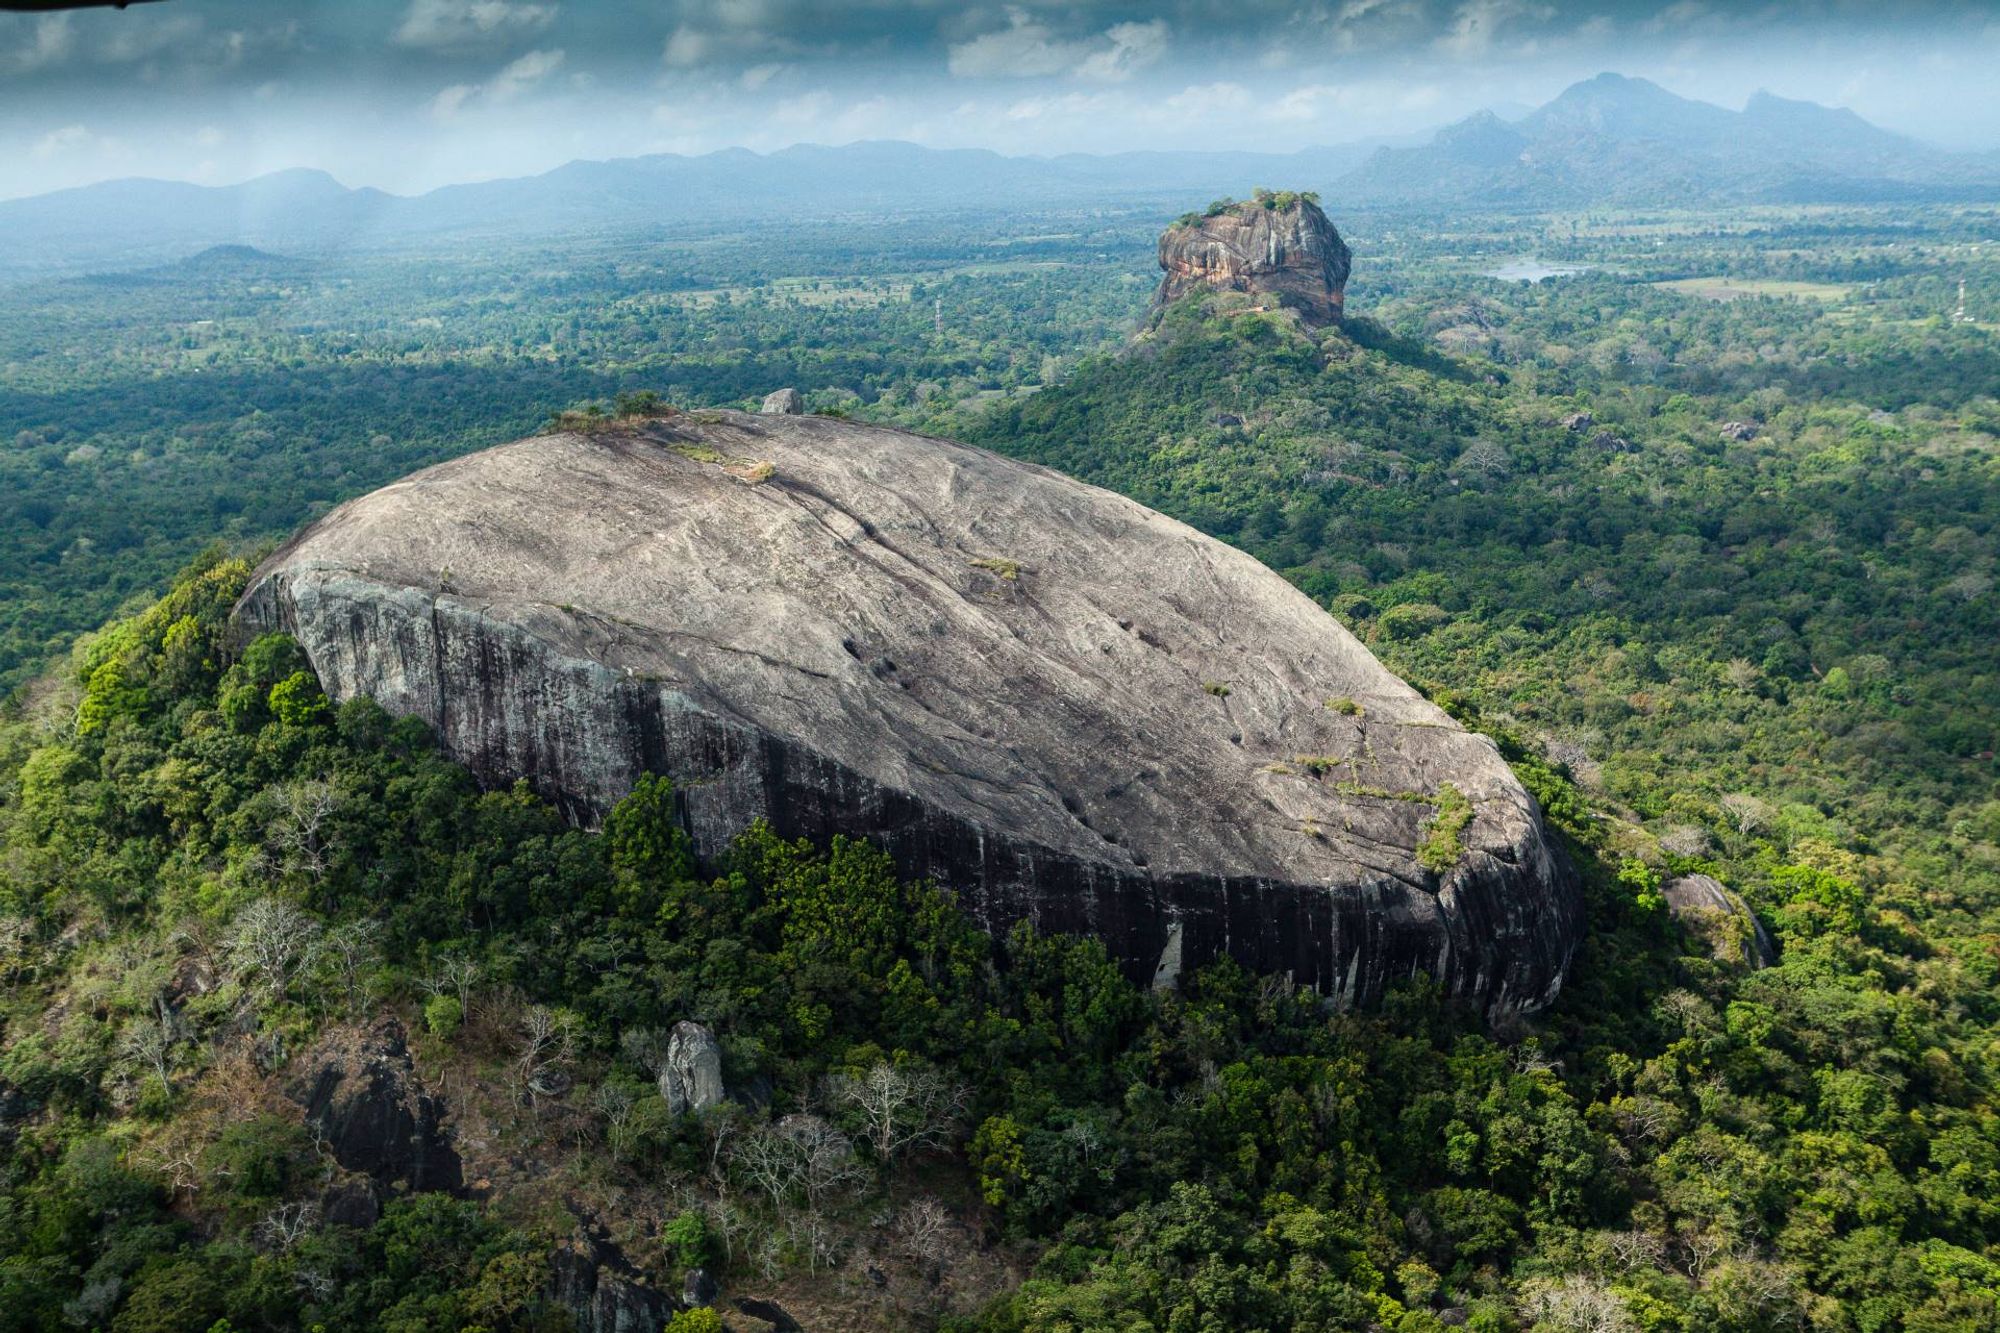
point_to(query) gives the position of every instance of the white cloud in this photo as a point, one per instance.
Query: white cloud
(687, 47)
(445, 25)
(68, 140)
(1028, 49)
(516, 78)
(1206, 99)
(523, 74)
(1133, 47)
(1479, 23)
(757, 76)
(51, 44)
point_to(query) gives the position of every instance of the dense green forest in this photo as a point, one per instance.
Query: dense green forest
(1715, 569)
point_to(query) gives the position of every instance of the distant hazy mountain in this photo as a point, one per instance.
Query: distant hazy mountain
(1608, 140)
(130, 222)
(1620, 140)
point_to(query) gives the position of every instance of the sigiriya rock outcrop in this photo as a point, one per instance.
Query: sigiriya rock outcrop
(1056, 702)
(1276, 246)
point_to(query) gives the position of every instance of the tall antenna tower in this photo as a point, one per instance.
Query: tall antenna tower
(1959, 316)
(937, 309)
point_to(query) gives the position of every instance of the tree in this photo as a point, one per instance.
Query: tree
(547, 1046)
(800, 1155)
(270, 942)
(150, 1041)
(302, 833)
(901, 1106)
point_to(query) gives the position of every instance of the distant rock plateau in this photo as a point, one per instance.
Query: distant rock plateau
(1057, 703)
(1280, 247)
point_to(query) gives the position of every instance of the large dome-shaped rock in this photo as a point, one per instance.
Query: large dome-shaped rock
(1276, 246)
(1060, 704)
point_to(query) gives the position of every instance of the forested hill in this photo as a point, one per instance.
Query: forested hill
(1691, 577)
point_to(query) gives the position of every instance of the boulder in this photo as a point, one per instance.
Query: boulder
(699, 1290)
(783, 403)
(1721, 919)
(691, 1073)
(1054, 701)
(604, 1293)
(1290, 254)
(771, 1313)
(360, 1094)
(1739, 431)
(1578, 422)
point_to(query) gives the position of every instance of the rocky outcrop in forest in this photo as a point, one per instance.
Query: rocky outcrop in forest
(1058, 703)
(1277, 246)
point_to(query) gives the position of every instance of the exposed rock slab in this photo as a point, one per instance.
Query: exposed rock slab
(1721, 919)
(1062, 705)
(360, 1093)
(1291, 254)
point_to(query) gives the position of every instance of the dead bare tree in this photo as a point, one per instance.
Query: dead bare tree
(1575, 1304)
(923, 1227)
(455, 975)
(302, 833)
(150, 1042)
(619, 1105)
(287, 1225)
(799, 1156)
(351, 949)
(548, 1040)
(270, 942)
(901, 1106)
(1749, 813)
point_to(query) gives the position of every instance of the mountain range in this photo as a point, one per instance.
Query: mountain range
(1609, 140)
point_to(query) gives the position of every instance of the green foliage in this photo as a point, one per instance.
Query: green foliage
(695, 1321)
(296, 700)
(443, 1016)
(688, 1240)
(1438, 846)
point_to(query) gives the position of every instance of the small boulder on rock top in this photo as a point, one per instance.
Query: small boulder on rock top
(1721, 919)
(1739, 431)
(691, 1079)
(784, 403)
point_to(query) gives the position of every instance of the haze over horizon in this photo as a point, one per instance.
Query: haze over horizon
(408, 95)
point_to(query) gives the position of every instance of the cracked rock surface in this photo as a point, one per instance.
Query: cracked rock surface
(1060, 704)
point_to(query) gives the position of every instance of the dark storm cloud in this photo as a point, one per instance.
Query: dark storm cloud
(411, 92)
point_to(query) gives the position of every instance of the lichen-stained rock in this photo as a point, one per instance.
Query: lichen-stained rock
(1290, 254)
(1058, 703)
(691, 1079)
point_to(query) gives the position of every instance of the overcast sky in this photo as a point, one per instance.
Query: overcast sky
(410, 94)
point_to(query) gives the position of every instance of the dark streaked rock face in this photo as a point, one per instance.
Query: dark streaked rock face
(360, 1094)
(1292, 255)
(1058, 703)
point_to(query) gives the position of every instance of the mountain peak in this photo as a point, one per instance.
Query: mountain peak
(1277, 244)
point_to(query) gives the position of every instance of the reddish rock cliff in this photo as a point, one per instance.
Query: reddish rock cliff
(1278, 245)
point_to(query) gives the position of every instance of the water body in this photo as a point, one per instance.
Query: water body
(1534, 270)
